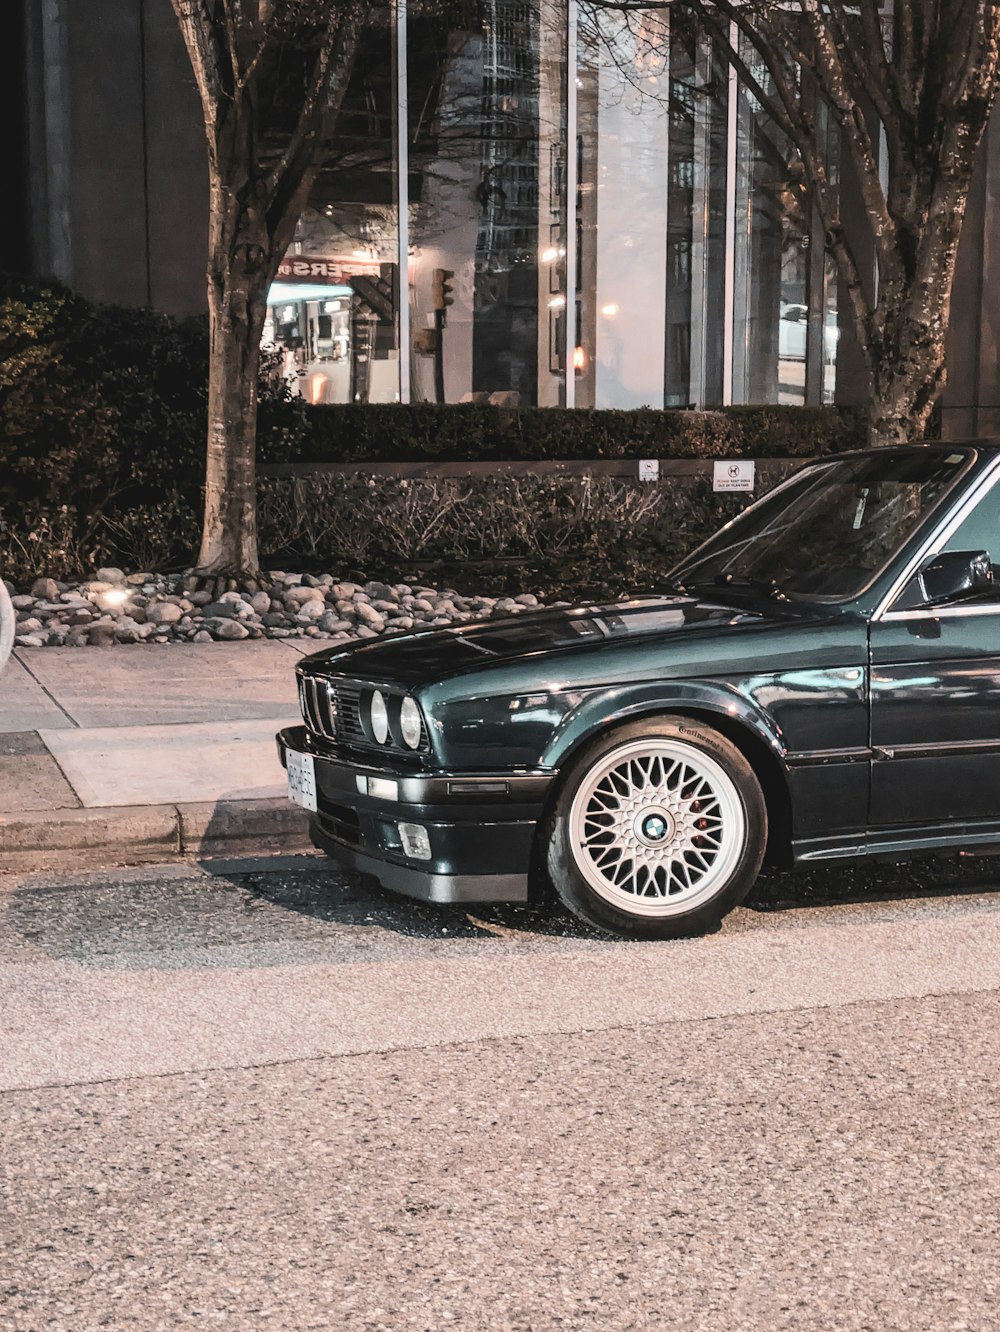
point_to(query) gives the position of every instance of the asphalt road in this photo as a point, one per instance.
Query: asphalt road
(272, 1100)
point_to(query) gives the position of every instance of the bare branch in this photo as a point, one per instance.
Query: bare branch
(233, 42)
(198, 32)
(323, 96)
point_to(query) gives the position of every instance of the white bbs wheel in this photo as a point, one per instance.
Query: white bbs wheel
(656, 826)
(658, 831)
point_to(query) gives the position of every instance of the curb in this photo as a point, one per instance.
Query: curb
(150, 834)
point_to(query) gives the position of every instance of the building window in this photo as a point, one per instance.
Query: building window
(696, 263)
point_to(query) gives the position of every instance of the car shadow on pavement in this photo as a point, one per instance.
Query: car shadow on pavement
(325, 893)
(848, 883)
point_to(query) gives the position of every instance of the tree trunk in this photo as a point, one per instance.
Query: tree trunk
(238, 281)
(907, 330)
(904, 385)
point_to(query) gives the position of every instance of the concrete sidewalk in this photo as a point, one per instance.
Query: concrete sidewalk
(125, 755)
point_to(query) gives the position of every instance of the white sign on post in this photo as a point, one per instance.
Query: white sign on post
(733, 475)
(649, 469)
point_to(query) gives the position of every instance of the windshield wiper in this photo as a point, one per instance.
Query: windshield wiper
(768, 586)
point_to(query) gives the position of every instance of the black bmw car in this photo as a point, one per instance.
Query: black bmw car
(819, 681)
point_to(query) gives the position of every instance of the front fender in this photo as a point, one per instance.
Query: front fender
(623, 703)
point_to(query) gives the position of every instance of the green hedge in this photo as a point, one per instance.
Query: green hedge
(102, 433)
(295, 432)
(574, 536)
(102, 429)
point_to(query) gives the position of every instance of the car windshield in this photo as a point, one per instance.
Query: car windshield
(829, 530)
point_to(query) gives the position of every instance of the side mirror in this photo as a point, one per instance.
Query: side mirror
(956, 575)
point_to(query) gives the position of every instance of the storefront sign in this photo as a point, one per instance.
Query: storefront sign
(735, 475)
(334, 271)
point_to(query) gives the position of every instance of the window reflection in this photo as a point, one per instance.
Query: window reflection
(332, 307)
(701, 276)
(487, 203)
(624, 128)
(772, 255)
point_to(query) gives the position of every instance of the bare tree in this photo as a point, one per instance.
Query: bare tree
(271, 75)
(920, 77)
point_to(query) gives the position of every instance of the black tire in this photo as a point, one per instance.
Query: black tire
(657, 831)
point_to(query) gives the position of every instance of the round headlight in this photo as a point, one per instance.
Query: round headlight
(379, 718)
(409, 723)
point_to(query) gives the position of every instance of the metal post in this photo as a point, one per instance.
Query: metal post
(401, 133)
(700, 219)
(572, 258)
(668, 147)
(729, 276)
(56, 120)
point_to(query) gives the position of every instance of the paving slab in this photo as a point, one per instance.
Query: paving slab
(30, 778)
(164, 685)
(25, 705)
(154, 765)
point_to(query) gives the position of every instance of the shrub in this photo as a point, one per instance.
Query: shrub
(102, 425)
(291, 431)
(102, 444)
(102, 432)
(574, 535)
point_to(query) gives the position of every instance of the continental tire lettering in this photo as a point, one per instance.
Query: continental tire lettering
(709, 741)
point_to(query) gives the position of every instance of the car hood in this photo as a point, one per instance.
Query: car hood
(428, 656)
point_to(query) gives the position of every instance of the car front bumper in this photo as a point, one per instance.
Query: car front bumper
(481, 826)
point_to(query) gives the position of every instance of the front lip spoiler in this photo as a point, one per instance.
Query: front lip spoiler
(439, 789)
(424, 885)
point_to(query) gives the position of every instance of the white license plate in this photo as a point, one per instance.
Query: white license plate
(301, 779)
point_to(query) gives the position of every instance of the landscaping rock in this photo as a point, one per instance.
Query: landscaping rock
(310, 611)
(227, 629)
(113, 602)
(147, 607)
(164, 612)
(220, 610)
(331, 623)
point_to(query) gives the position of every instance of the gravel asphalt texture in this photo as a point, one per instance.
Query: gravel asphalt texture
(789, 1153)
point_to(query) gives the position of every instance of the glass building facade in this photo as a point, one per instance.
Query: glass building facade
(588, 210)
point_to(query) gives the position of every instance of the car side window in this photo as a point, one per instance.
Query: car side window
(981, 529)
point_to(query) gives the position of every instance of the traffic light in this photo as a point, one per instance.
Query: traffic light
(443, 293)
